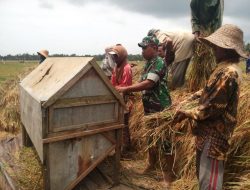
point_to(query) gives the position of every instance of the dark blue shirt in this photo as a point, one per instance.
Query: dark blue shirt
(248, 65)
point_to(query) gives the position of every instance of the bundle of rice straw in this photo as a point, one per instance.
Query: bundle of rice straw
(10, 120)
(202, 65)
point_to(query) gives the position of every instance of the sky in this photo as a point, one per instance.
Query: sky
(88, 26)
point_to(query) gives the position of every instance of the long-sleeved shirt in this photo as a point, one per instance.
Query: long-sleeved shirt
(215, 117)
(206, 15)
(182, 43)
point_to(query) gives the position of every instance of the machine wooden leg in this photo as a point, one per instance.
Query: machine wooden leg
(116, 173)
(25, 138)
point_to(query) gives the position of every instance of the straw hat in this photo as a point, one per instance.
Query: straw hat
(228, 37)
(44, 53)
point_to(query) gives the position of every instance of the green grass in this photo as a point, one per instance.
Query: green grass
(10, 69)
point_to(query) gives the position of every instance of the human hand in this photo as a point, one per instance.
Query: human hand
(121, 89)
(168, 44)
(179, 116)
(197, 36)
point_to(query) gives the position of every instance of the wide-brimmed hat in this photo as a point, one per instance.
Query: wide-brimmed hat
(228, 37)
(44, 53)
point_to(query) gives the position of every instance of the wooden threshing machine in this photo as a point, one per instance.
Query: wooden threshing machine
(73, 117)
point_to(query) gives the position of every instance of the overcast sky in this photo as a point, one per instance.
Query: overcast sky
(88, 26)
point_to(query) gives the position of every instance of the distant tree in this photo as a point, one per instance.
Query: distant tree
(98, 57)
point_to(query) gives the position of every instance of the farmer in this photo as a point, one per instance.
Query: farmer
(248, 64)
(122, 77)
(155, 94)
(108, 63)
(43, 54)
(206, 16)
(215, 118)
(179, 50)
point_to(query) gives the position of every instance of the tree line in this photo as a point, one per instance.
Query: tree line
(30, 57)
(99, 57)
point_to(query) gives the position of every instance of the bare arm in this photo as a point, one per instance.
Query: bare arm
(144, 85)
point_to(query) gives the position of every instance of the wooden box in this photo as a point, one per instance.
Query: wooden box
(73, 117)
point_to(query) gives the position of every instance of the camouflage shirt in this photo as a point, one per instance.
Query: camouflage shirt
(215, 117)
(157, 98)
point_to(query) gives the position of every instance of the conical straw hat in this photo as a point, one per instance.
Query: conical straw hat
(44, 53)
(228, 37)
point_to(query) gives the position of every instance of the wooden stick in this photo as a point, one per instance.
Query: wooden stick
(76, 134)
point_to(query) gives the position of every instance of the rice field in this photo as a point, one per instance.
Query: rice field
(10, 69)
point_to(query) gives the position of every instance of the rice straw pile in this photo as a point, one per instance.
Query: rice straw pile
(9, 104)
(9, 107)
(202, 65)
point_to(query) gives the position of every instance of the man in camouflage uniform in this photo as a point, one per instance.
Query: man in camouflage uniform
(153, 84)
(178, 47)
(215, 118)
(157, 97)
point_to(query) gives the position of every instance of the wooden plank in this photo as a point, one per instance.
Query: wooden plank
(85, 173)
(75, 117)
(116, 172)
(45, 161)
(47, 78)
(83, 127)
(70, 135)
(107, 82)
(88, 100)
(31, 118)
(46, 168)
(68, 159)
(66, 86)
(121, 114)
(45, 122)
(90, 84)
(109, 137)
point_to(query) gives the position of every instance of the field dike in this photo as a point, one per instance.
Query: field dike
(24, 170)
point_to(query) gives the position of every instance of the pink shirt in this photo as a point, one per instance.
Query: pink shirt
(126, 79)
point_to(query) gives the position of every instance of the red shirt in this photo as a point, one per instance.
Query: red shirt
(125, 78)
